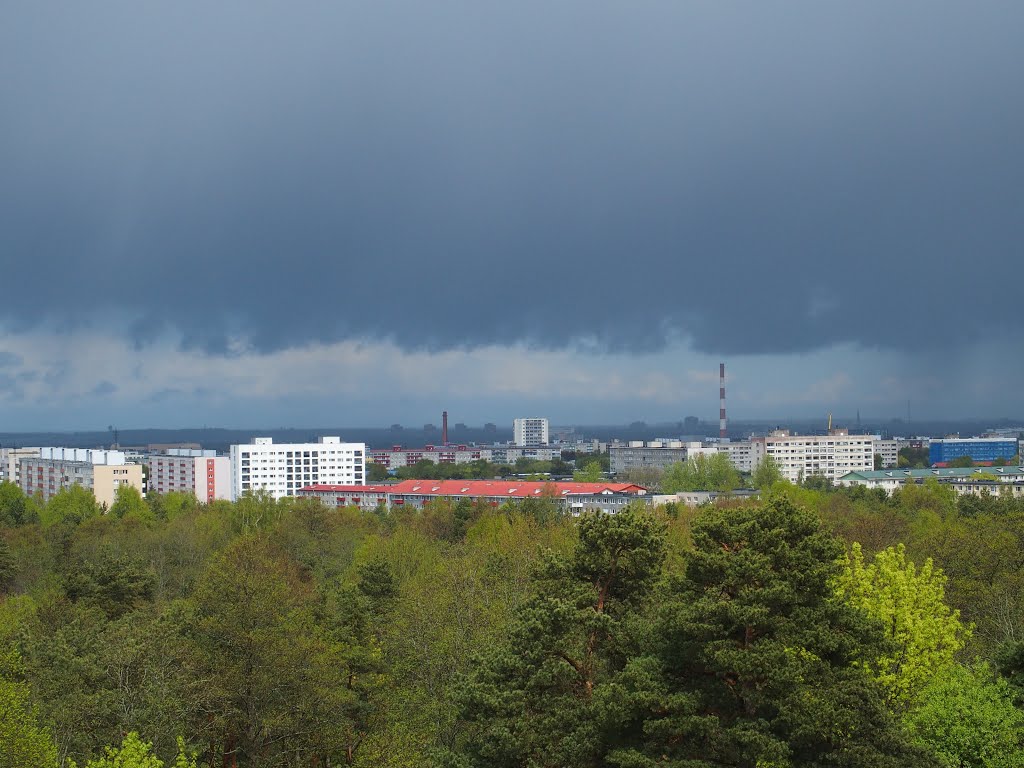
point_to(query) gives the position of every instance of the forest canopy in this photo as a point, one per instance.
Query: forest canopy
(810, 627)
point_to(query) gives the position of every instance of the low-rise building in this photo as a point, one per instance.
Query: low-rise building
(961, 478)
(101, 471)
(696, 498)
(570, 496)
(397, 456)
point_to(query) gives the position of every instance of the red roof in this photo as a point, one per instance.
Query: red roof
(477, 488)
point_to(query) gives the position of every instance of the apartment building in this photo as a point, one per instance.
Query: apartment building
(655, 454)
(831, 456)
(995, 480)
(10, 466)
(187, 470)
(889, 451)
(282, 469)
(397, 456)
(947, 449)
(532, 432)
(101, 471)
(571, 496)
(744, 455)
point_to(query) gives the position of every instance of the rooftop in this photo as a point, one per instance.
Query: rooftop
(477, 488)
(938, 472)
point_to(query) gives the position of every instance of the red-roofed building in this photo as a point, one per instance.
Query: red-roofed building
(573, 497)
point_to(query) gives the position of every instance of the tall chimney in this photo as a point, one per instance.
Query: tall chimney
(444, 428)
(721, 401)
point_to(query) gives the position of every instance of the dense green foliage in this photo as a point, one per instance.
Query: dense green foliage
(702, 472)
(815, 627)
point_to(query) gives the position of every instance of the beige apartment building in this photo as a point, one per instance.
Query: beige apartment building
(102, 472)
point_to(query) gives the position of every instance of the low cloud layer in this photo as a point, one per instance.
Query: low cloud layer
(88, 379)
(745, 179)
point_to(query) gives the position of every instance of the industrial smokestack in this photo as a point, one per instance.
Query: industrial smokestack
(444, 428)
(721, 401)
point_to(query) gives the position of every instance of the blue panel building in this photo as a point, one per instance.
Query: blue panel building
(979, 449)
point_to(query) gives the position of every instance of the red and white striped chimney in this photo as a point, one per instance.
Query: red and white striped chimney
(721, 401)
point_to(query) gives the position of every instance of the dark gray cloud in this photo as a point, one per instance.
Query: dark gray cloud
(755, 178)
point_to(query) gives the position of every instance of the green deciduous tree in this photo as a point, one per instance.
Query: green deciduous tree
(591, 472)
(71, 506)
(924, 633)
(271, 679)
(968, 720)
(8, 567)
(702, 472)
(128, 502)
(376, 472)
(13, 504)
(24, 743)
(767, 473)
(136, 753)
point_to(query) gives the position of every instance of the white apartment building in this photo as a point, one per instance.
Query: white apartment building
(202, 473)
(10, 466)
(282, 469)
(531, 432)
(102, 472)
(831, 456)
(889, 450)
(744, 455)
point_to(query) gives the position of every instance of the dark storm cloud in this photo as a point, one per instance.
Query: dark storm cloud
(755, 177)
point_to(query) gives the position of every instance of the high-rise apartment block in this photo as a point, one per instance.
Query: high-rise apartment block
(530, 432)
(830, 456)
(282, 469)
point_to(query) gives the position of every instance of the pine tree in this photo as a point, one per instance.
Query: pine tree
(549, 695)
(756, 656)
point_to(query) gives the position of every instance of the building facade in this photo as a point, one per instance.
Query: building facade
(744, 455)
(889, 451)
(531, 432)
(397, 456)
(941, 451)
(10, 463)
(102, 472)
(963, 480)
(282, 469)
(636, 454)
(570, 496)
(202, 473)
(830, 456)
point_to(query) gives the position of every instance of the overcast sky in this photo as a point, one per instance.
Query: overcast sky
(244, 213)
